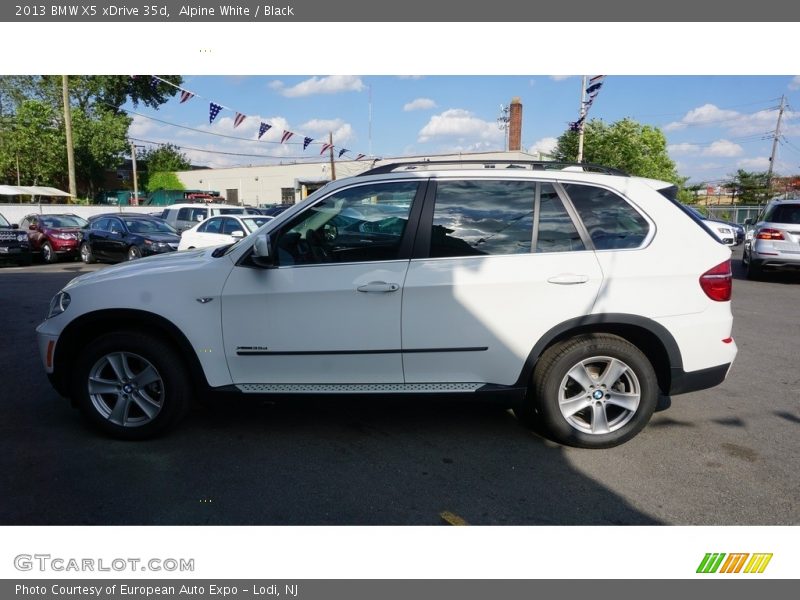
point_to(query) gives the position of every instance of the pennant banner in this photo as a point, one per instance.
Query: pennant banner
(213, 111)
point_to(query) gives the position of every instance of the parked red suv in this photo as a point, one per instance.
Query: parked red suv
(55, 236)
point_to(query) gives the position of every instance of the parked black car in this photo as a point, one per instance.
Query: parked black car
(14, 245)
(274, 211)
(126, 236)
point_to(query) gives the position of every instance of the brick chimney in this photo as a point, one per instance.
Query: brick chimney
(515, 125)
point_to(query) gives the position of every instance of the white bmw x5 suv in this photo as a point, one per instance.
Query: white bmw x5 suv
(576, 295)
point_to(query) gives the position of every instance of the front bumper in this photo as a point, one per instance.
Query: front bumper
(64, 246)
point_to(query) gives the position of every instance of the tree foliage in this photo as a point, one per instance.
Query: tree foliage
(163, 180)
(165, 158)
(627, 145)
(32, 133)
(749, 187)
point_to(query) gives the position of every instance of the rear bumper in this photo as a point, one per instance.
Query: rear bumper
(683, 382)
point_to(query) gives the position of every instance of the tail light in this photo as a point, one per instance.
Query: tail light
(717, 282)
(769, 234)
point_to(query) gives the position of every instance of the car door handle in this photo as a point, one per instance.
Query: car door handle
(568, 279)
(378, 286)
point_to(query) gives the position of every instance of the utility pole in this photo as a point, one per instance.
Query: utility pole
(135, 178)
(333, 165)
(582, 119)
(775, 138)
(73, 189)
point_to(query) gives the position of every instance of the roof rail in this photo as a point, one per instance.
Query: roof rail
(535, 165)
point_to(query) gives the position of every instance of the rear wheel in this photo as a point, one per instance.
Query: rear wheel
(592, 391)
(130, 385)
(752, 270)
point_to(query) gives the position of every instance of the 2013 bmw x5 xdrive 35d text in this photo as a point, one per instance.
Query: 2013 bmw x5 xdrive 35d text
(577, 294)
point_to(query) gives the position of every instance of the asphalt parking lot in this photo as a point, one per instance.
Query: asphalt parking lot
(725, 456)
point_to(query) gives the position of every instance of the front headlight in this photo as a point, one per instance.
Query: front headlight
(58, 304)
(22, 237)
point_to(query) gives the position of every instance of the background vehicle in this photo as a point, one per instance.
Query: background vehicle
(576, 297)
(14, 246)
(220, 230)
(185, 216)
(126, 236)
(724, 231)
(773, 242)
(54, 236)
(274, 211)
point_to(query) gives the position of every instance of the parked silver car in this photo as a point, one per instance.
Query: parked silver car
(773, 242)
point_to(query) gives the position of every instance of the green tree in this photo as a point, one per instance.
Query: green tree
(165, 158)
(163, 180)
(750, 187)
(635, 148)
(32, 125)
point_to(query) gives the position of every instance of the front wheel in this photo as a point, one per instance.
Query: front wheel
(86, 254)
(592, 391)
(48, 255)
(134, 253)
(130, 385)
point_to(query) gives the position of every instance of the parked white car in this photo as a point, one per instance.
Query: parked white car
(221, 230)
(186, 216)
(724, 231)
(575, 296)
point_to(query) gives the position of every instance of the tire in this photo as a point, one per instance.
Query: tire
(576, 400)
(48, 255)
(131, 386)
(134, 253)
(86, 254)
(753, 271)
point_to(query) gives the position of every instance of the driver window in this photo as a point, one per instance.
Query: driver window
(361, 223)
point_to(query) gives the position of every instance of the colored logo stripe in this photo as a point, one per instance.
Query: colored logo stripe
(733, 564)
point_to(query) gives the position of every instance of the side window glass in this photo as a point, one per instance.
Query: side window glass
(477, 218)
(211, 226)
(114, 226)
(557, 232)
(100, 225)
(361, 223)
(231, 225)
(184, 214)
(199, 213)
(612, 222)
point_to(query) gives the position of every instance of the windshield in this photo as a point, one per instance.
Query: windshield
(784, 213)
(253, 223)
(63, 221)
(148, 226)
(3, 222)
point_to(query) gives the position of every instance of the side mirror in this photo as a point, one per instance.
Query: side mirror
(199, 218)
(748, 221)
(14, 226)
(262, 254)
(238, 234)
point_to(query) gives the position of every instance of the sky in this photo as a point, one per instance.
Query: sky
(714, 125)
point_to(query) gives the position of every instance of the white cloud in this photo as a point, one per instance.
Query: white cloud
(342, 132)
(560, 77)
(141, 126)
(419, 104)
(545, 146)
(674, 126)
(724, 148)
(462, 128)
(760, 163)
(275, 84)
(684, 148)
(794, 84)
(710, 115)
(324, 85)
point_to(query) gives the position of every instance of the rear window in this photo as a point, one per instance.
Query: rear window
(613, 224)
(784, 213)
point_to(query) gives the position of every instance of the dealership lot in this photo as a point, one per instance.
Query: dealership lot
(723, 456)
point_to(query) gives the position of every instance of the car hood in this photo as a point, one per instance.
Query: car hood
(170, 264)
(168, 238)
(61, 229)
